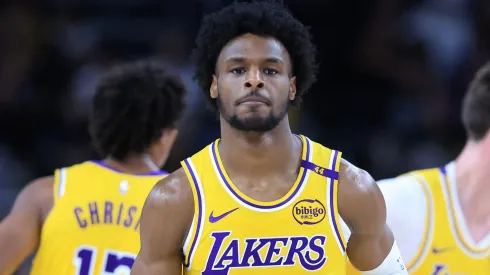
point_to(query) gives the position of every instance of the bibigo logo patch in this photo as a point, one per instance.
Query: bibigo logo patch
(309, 212)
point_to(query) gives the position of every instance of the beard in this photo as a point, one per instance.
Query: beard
(255, 123)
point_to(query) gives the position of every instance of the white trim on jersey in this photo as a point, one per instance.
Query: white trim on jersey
(62, 184)
(456, 216)
(197, 237)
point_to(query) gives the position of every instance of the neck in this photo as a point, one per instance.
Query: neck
(132, 165)
(472, 175)
(260, 153)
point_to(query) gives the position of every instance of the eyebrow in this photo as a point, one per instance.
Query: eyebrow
(274, 60)
(239, 59)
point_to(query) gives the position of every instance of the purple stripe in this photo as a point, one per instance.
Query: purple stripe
(221, 174)
(329, 173)
(443, 170)
(152, 173)
(332, 212)
(199, 215)
(445, 178)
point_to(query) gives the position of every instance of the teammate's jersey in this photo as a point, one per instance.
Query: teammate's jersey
(93, 227)
(233, 234)
(426, 219)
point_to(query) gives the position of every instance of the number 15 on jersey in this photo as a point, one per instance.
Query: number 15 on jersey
(114, 263)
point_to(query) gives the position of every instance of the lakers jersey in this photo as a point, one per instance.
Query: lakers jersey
(440, 244)
(446, 247)
(93, 227)
(234, 234)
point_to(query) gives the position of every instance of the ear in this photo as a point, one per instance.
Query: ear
(168, 137)
(160, 149)
(213, 91)
(292, 88)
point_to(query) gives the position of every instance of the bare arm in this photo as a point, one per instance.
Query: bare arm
(20, 230)
(165, 220)
(362, 207)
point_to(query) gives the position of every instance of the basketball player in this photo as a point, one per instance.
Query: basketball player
(441, 216)
(261, 200)
(86, 218)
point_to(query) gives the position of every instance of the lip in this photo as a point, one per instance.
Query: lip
(254, 99)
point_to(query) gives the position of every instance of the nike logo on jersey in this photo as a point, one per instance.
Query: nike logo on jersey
(213, 219)
(436, 250)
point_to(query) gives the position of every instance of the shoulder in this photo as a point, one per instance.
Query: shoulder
(354, 181)
(41, 184)
(174, 188)
(360, 201)
(404, 189)
(36, 196)
(397, 192)
(171, 196)
(40, 189)
(407, 211)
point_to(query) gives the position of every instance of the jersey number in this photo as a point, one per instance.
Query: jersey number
(115, 262)
(319, 170)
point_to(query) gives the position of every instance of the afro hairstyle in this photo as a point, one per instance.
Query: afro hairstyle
(133, 103)
(263, 18)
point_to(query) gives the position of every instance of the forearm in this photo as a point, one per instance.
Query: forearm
(13, 251)
(142, 267)
(376, 255)
(366, 252)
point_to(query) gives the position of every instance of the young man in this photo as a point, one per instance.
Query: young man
(441, 216)
(85, 219)
(261, 200)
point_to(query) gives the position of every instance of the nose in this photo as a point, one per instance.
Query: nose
(254, 81)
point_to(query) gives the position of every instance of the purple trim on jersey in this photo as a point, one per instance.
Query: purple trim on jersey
(443, 170)
(199, 214)
(222, 176)
(329, 173)
(332, 212)
(152, 173)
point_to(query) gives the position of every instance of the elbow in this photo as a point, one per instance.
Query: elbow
(14, 249)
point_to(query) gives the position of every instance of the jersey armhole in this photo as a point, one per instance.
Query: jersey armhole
(194, 234)
(426, 241)
(59, 184)
(333, 187)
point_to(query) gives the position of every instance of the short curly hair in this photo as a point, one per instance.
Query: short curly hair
(264, 18)
(476, 105)
(133, 103)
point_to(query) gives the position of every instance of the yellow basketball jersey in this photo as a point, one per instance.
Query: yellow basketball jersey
(233, 234)
(444, 249)
(93, 227)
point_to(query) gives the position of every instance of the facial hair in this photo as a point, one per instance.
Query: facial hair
(253, 124)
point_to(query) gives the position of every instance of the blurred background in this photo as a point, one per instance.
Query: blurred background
(393, 74)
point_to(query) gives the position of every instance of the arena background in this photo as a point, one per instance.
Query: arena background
(392, 77)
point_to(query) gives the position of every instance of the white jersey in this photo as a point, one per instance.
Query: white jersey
(425, 215)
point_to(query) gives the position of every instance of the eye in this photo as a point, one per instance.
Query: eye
(237, 71)
(270, 71)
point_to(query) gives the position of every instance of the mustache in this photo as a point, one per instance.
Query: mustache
(253, 96)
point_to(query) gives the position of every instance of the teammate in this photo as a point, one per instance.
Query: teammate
(261, 200)
(441, 216)
(86, 218)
